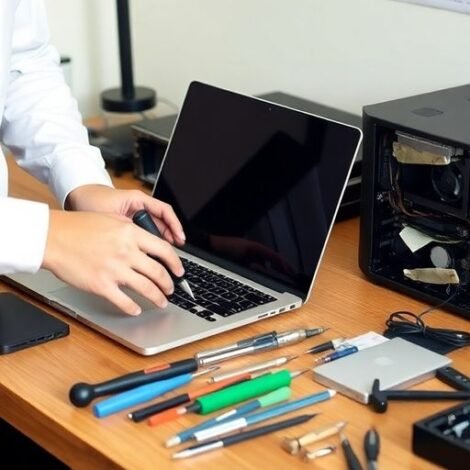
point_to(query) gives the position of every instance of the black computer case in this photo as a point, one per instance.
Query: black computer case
(415, 206)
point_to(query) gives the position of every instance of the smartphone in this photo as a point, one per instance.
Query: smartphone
(23, 325)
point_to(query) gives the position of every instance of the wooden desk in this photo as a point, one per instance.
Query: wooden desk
(34, 383)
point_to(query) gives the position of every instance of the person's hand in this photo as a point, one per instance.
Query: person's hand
(101, 253)
(98, 198)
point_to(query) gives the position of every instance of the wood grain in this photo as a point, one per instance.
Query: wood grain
(34, 383)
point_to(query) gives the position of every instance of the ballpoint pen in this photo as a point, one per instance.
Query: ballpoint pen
(143, 393)
(269, 399)
(346, 351)
(372, 448)
(333, 344)
(238, 345)
(143, 219)
(150, 410)
(351, 458)
(270, 342)
(260, 366)
(241, 436)
(294, 445)
(255, 418)
(230, 395)
(82, 394)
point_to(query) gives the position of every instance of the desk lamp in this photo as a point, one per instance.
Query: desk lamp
(116, 143)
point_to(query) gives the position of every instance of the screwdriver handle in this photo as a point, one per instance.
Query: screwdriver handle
(143, 219)
(82, 394)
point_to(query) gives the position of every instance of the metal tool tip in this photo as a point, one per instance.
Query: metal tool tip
(291, 357)
(129, 415)
(299, 372)
(172, 441)
(205, 371)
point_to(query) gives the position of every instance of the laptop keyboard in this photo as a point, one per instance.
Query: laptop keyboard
(216, 294)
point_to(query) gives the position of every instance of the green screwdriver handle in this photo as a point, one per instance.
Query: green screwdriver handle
(243, 391)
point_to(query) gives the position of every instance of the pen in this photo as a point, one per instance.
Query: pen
(372, 448)
(231, 395)
(238, 345)
(272, 412)
(241, 436)
(260, 366)
(333, 344)
(270, 398)
(82, 394)
(278, 340)
(346, 351)
(293, 446)
(351, 457)
(143, 393)
(143, 219)
(147, 411)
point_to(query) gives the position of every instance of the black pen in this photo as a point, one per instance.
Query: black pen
(351, 457)
(143, 220)
(333, 344)
(241, 436)
(372, 448)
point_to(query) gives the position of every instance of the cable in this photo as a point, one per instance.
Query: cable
(407, 323)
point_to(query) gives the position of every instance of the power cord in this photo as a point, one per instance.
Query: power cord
(407, 323)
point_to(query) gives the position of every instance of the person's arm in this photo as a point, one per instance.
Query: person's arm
(41, 122)
(42, 127)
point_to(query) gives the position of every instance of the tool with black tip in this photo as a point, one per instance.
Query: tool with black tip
(378, 399)
(372, 448)
(143, 220)
(82, 394)
(351, 457)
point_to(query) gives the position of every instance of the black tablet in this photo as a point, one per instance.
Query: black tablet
(23, 324)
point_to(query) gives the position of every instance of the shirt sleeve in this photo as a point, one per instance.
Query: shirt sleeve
(23, 235)
(41, 123)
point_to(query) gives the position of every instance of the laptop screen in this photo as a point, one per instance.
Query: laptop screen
(256, 185)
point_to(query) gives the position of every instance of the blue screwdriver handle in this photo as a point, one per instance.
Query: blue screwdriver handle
(138, 395)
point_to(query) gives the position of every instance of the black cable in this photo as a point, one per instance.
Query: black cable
(407, 323)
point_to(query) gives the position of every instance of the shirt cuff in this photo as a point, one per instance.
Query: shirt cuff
(23, 236)
(77, 167)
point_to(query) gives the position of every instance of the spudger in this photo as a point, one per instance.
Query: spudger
(143, 220)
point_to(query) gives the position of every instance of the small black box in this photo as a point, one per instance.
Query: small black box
(444, 438)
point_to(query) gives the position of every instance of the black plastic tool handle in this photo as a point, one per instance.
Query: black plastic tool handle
(81, 394)
(143, 219)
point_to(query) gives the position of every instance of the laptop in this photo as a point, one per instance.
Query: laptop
(256, 186)
(397, 363)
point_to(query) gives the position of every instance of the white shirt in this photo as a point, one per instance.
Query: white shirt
(41, 126)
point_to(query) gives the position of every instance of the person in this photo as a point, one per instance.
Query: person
(92, 244)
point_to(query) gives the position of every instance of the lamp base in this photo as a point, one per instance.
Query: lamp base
(113, 100)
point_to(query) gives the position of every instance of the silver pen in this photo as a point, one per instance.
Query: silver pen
(238, 345)
(278, 340)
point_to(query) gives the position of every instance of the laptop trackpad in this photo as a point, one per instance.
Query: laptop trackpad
(91, 306)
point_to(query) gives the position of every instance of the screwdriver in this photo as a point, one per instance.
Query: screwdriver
(143, 393)
(372, 448)
(230, 396)
(148, 411)
(351, 457)
(143, 220)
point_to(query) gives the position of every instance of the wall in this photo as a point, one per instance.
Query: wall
(343, 53)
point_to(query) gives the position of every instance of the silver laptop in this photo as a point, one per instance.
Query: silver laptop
(256, 186)
(397, 363)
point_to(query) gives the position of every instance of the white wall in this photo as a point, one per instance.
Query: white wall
(343, 53)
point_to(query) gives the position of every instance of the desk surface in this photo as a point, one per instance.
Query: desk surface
(34, 383)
